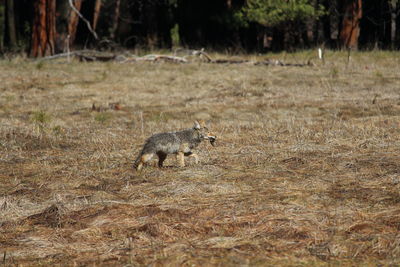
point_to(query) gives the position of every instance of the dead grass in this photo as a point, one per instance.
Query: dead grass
(305, 172)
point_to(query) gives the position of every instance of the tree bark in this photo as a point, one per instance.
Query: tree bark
(311, 25)
(351, 24)
(96, 14)
(62, 21)
(152, 37)
(73, 22)
(114, 26)
(393, 18)
(11, 30)
(50, 26)
(44, 28)
(37, 28)
(2, 24)
(334, 22)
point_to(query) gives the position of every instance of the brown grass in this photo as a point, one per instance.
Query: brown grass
(306, 170)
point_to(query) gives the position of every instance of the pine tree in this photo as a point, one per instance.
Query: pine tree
(271, 13)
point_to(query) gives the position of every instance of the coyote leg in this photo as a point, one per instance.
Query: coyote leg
(193, 155)
(180, 157)
(161, 158)
(143, 159)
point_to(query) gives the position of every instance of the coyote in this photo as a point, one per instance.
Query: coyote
(179, 143)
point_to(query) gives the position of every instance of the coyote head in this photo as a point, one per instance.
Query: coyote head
(204, 132)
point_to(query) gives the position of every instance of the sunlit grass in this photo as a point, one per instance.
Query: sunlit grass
(305, 171)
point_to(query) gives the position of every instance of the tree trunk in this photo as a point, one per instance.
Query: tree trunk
(2, 23)
(62, 20)
(44, 28)
(152, 39)
(96, 14)
(51, 26)
(114, 25)
(11, 30)
(73, 22)
(311, 26)
(351, 24)
(38, 28)
(334, 23)
(393, 18)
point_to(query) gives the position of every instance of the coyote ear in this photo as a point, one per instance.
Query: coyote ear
(196, 125)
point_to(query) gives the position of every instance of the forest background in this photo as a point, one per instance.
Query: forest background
(46, 27)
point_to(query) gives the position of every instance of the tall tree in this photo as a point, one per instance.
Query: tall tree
(73, 21)
(11, 29)
(115, 19)
(96, 14)
(333, 23)
(393, 6)
(44, 28)
(289, 16)
(62, 20)
(2, 23)
(275, 12)
(351, 23)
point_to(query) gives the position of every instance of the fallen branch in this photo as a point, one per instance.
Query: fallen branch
(202, 53)
(156, 58)
(190, 52)
(73, 53)
(92, 55)
(270, 62)
(103, 58)
(230, 61)
(267, 62)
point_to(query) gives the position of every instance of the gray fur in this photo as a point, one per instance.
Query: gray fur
(163, 144)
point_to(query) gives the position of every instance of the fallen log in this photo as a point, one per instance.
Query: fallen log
(190, 52)
(91, 58)
(230, 61)
(92, 55)
(152, 57)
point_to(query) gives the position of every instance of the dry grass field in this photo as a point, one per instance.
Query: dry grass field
(305, 171)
